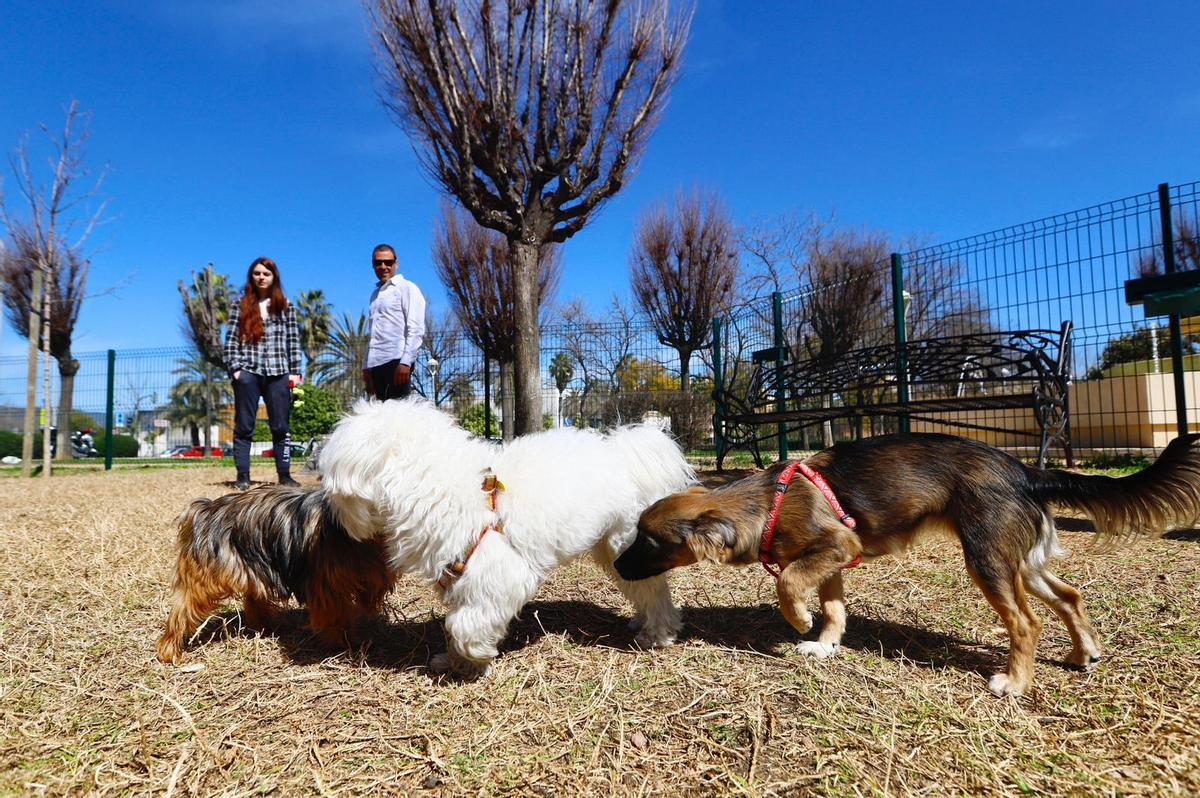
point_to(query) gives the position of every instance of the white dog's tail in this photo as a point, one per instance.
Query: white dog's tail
(653, 459)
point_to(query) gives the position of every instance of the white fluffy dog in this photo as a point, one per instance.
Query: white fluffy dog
(408, 472)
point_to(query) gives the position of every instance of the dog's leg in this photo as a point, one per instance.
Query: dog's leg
(1067, 603)
(496, 586)
(259, 612)
(833, 625)
(799, 577)
(195, 593)
(333, 619)
(656, 620)
(1004, 587)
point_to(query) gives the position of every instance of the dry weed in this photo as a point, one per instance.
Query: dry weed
(572, 708)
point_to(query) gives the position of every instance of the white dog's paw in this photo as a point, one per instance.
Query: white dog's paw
(656, 637)
(815, 648)
(1001, 685)
(461, 667)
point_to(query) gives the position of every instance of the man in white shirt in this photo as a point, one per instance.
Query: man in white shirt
(397, 316)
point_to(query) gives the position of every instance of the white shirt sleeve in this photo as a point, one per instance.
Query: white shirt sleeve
(414, 325)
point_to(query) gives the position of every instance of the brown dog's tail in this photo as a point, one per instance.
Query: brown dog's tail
(1164, 495)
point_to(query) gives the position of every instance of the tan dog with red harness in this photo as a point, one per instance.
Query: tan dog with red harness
(876, 496)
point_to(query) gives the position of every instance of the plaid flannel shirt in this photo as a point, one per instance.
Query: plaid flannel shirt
(277, 352)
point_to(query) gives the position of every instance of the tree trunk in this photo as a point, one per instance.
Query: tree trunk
(685, 365)
(507, 401)
(827, 425)
(46, 376)
(528, 345)
(35, 301)
(208, 414)
(195, 431)
(68, 367)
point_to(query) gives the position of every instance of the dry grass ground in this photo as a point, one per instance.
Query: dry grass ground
(571, 707)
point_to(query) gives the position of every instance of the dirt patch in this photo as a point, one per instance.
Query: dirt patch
(572, 707)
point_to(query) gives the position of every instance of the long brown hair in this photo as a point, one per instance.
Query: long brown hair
(250, 323)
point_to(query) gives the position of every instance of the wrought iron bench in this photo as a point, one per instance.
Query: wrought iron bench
(990, 371)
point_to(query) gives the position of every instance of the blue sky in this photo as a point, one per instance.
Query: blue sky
(234, 129)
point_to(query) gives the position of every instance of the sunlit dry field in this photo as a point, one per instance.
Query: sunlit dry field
(572, 707)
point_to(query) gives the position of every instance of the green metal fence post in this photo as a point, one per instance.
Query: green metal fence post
(108, 405)
(900, 308)
(780, 357)
(718, 390)
(1168, 250)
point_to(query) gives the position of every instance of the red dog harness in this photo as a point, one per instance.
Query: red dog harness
(781, 486)
(491, 487)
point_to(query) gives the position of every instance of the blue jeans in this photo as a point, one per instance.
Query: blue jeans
(274, 390)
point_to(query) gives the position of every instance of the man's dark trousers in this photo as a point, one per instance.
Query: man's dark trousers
(383, 378)
(247, 389)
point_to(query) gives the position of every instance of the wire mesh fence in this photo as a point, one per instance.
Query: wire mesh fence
(1036, 276)
(598, 371)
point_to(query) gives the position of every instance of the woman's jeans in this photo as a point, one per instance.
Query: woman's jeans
(274, 391)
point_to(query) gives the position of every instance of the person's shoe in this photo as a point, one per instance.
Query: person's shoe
(242, 483)
(291, 483)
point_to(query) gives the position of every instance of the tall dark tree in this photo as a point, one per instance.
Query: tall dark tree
(683, 270)
(476, 266)
(49, 237)
(531, 114)
(1187, 251)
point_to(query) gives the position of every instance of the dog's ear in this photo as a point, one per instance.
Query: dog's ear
(713, 536)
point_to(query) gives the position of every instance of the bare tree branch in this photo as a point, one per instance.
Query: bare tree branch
(532, 114)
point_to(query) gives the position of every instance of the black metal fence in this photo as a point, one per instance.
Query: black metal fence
(1034, 276)
(603, 370)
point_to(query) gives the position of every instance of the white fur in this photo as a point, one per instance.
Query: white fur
(407, 471)
(815, 648)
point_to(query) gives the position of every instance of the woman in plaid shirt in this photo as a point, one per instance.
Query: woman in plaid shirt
(262, 350)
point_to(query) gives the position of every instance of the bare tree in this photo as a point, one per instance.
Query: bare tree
(443, 347)
(1187, 251)
(683, 269)
(847, 273)
(476, 266)
(531, 114)
(49, 239)
(602, 349)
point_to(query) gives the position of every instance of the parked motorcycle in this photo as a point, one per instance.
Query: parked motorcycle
(83, 444)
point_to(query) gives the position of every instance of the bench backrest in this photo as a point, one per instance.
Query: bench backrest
(983, 363)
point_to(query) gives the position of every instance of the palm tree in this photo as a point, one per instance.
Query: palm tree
(189, 404)
(206, 307)
(314, 316)
(339, 364)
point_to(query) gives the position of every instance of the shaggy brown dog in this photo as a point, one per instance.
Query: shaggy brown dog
(267, 545)
(899, 486)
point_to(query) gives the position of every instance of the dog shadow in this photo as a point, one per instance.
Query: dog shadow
(408, 644)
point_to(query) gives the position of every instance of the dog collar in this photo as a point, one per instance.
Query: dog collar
(491, 486)
(781, 487)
